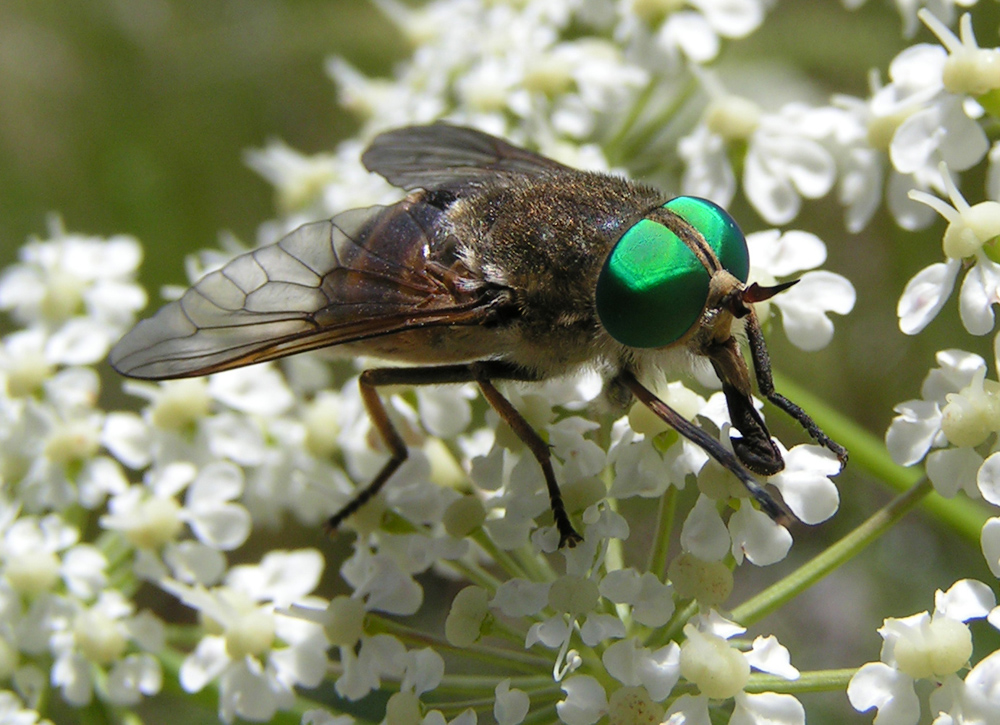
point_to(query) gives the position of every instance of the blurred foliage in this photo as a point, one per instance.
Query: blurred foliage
(132, 116)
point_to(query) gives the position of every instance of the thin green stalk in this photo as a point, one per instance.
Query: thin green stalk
(464, 683)
(475, 574)
(634, 113)
(868, 452)
(816, 681)
(623, 148)
(546, 715)
(516, 658)
(671, 632)
(512, 567)
(538, 568)
(844, 550)
(664, 529)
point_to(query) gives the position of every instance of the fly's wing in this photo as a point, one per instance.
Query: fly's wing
(444, 156)
(364, 273)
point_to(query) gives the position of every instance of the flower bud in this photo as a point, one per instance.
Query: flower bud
(938, 649)
(469, 612)
(709, 662)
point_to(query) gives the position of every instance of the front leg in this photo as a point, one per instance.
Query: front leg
(710, 445)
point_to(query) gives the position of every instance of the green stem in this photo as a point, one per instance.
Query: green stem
(672, 632)
(847, 548)
(664, 528)
(464, 684)
(546, 714)
(622, 148)
(475, 574)
(868, 452)
(513, 568)
(537, 568)
(817, 681)
(514, 658)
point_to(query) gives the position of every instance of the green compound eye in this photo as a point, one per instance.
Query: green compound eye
(653, 288)
(719, 230)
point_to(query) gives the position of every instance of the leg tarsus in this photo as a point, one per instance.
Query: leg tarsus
(368, 382)
(710, 445)
(539, 448)
(765, 383)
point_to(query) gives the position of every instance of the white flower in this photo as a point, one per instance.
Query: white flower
(969, 68)
(651, 600)
(79, 289)
(260, 655)
(632, 665)
(50, 449)
(757, 537)
(87, 640)
(990, 542)
(960, 411)
(704, 533)
(297, 178)
(365, 664)
(648, 465)
(13, 711)
(805, 483)
(976, 699)
(260, 390)
(585, 701)
(804, 307)
(921, 646)
(969, 229)
(659, 31)
(511, 705)
(708, 172)
(786, 157)
(39, 553)
(785, 162)
(721, 671)
(152, 520)
(931, 125)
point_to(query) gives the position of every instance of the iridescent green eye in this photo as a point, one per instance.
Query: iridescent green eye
(719, 230)
(653, 288)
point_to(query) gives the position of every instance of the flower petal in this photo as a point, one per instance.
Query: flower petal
(925, 295)
(877, 685)
(757, 537)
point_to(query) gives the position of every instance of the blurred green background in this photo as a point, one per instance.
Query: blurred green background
(131, 116)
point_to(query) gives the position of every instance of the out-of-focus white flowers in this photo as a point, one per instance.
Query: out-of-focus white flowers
(80, 291)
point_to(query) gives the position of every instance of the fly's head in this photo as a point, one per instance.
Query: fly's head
(678, 278)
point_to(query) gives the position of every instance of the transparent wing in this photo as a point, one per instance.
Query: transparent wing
(364, 273)
(440, 155)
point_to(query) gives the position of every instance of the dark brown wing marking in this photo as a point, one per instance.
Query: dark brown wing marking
(364, 273)
(440, 155)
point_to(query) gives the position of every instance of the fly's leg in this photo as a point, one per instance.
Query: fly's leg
(481, 374)
(707, 443)
(539, 449)
(765, 383)
(369, 382)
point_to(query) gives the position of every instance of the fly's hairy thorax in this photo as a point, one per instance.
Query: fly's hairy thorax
(546, 240)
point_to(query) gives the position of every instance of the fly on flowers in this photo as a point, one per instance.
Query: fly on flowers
(500, 264)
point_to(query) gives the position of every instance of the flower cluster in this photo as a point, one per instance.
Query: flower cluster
(635, 624)
(934, 647)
